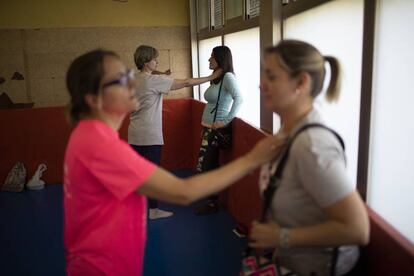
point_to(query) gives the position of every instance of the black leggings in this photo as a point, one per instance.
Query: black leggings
(153, 154)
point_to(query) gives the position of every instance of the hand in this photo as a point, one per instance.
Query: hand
(216, 74)
(218, 124)
(267, 149)
(264, 235)
(167, 72)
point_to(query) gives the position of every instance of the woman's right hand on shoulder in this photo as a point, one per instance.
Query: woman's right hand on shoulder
(267, 149)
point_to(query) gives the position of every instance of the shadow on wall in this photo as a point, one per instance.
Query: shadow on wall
(5, 101)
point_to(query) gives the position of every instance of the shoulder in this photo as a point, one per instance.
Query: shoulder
(154, 83)
(91, 136)
(229, 81)
(153, 78)
(317, 142)
(229, 76)
(317, 137)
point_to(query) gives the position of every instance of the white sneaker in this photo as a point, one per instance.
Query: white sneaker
(158, 214)
(35, 183)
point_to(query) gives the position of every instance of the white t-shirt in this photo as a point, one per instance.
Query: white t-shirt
(145, 127)
(314, 177)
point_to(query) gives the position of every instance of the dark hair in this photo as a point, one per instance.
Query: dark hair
(144, 54)
(297, 57)
(84, 77)
(224, 59)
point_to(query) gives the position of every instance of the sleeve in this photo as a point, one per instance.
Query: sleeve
(231, 86)
(321, 167)
(120, 169)
(161, 84)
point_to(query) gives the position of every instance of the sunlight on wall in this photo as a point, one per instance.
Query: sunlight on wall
(245, 47)
(205, 47)
(391, 188)
(335, 29)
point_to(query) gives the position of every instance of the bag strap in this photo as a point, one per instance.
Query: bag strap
(335, 253)
(275, 178)
(218, 101)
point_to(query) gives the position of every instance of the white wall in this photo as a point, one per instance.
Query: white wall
(205, 47)
(391, 174)
(245, 48)
(335, 29)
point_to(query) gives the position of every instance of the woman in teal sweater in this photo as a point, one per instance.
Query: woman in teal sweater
(217, 116)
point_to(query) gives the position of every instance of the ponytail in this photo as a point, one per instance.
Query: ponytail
(297, 56)
(333, 90)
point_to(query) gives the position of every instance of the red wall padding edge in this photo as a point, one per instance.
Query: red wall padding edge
(40, 135)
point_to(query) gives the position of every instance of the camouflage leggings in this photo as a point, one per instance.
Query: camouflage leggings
(208, 156)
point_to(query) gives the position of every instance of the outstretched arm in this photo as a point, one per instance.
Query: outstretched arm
(180, 83)
(164, 186)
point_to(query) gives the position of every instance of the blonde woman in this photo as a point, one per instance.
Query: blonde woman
(315, 207)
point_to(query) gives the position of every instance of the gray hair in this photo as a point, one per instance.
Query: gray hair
(144, 54)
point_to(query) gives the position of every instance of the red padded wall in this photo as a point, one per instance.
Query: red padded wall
(388, 252)
(178, 136)
(40, 135)
(243, 198)
(197, 108)
(33, 136)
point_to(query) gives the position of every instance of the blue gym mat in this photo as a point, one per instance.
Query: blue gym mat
(31, 238)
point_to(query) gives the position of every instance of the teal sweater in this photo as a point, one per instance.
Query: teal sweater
(230, 100)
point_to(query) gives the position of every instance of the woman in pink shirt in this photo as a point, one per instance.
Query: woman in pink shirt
(106, 181)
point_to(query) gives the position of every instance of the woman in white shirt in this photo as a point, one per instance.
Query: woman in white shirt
(315, 207)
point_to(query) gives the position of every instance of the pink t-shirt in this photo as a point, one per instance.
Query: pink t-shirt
(105, 219)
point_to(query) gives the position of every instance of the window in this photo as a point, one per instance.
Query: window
(252, 8)
(329, 27)
(203, 14)
(390, 187)
(205, 48)
(234, 8)
(217, 14)
(245, 48)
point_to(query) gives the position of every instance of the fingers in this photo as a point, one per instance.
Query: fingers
(257, 243)
(276, 142)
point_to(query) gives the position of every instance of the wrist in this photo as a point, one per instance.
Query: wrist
(284, 238)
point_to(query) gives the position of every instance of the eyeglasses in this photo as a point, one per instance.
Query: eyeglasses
(123, 80)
